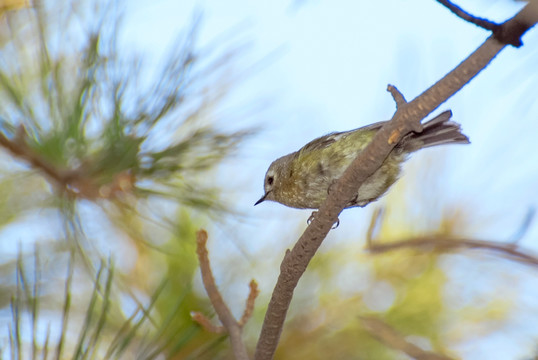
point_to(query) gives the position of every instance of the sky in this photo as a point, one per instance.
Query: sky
(319, 66)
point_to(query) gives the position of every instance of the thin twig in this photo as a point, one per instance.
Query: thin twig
(449, 243)
(223, 312)
(367, 162)
(398, 97)
(204, 322)
(393, 339)
(249, 307)
(73, 182)
(20, 149)
(478, 21)
(377, 216)
(508, 33)
(400, 101)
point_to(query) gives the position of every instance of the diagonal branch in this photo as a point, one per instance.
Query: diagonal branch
(20, 149)
(508, 33)
(478, 21)
(232, 326)
(393, 339)
(73, 182)
(406, 119)
(204, 322)
(448, 243)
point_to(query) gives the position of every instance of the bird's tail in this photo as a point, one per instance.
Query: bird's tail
(439, 130)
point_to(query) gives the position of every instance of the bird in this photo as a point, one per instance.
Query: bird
(302, 179)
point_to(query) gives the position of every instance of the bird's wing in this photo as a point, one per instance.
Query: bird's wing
(326, 140)
(322, 142)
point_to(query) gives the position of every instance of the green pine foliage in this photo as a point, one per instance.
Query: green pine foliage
(117, 152)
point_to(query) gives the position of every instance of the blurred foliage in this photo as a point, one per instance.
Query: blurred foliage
(405, 289)
(9, 5)
(82, 121)
(411, 302)
(100, 129)
(91, 327)
(106, 157)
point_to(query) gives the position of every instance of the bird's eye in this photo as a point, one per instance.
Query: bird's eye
(270, 180)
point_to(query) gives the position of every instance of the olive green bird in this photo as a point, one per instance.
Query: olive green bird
(302, 179)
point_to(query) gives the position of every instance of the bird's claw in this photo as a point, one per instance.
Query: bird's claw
(313, 216)
(335, 225)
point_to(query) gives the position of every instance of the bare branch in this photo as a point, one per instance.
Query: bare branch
(249, 307)
(204, 322)
(393, 339)
(377, 216)
(19, 148)
(223, 312)
(508, 33)
(511, 31)
(447, 243)
(398, 97)
(406, 119)
(72, 182)
(478, 21)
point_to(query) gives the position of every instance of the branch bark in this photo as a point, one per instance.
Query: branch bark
(459, 12)
(406, 119)
(447, 243)
(232, 326)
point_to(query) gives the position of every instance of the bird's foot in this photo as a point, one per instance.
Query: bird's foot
(336, 224)
(313, 216)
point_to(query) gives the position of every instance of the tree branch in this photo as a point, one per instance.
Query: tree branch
(20, 149)
(232, 326)
(204, 322)
(374, 221)
(406, 119)
(508, 33)
(398, 97)
(249, 307)
(393, 339)
(445, 243)
(478, 21)
(74, 182)
(449, 243)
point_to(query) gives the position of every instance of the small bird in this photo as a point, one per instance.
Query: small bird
(302, 179)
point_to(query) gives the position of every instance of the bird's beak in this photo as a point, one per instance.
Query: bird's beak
(261, 200)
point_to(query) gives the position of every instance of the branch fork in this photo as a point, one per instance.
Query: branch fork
(230, 325)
